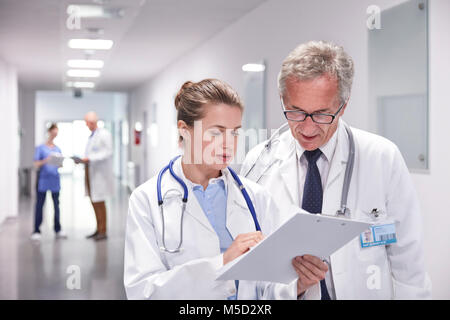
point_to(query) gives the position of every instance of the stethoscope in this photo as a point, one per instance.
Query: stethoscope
(343, 211)
(185, 199)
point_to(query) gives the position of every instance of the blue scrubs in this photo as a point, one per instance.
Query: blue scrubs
(48, 180)
(48, 174)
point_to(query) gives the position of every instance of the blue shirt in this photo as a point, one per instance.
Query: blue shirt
(48, 174)
(213, 201)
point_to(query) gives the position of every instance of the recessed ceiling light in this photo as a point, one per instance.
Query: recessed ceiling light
(95, 64)
(85, 11)
(94, 11)
(80, 84)
(102, 2)
(95, 30)
(83, 73)
(253, 67)
(94, 44)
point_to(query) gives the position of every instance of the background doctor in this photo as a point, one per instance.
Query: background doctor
(308, 166)
(217, 225)
(99, 178)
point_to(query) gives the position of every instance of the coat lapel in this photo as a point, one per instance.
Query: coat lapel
(239, 218)
(332, 202)
(333, 190)
(288, 168)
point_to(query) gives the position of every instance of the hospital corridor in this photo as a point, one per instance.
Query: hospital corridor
(224, 151)
(41, 270)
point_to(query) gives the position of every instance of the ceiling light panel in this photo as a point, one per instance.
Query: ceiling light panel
(88, 64)
(253, 67)
(83, 73)
(81, 84)
(94, 11)
(92, 44)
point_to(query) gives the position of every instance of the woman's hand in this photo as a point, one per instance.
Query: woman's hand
(241, 245)
(40, 163)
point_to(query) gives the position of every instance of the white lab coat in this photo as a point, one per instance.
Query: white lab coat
(380, 180)
(99, 151)
(150, 273)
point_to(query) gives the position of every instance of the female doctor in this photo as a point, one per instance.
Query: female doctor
(173, 251)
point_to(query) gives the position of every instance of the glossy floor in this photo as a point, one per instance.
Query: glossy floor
(72, 268)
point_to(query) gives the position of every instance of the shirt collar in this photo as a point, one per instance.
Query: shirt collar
(327, 149)
(191, 185)
(93, 132)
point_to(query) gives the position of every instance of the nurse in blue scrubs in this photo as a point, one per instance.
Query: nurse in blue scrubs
(48, 180)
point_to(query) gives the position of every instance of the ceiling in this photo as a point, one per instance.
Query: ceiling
(150, 35)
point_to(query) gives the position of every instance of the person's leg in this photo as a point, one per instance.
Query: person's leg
(40, 200)
(88, 192)
(86, 180)
(100, 213)
(57, 224)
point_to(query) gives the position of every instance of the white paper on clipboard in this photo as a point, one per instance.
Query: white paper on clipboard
(303, 233)
(56, 159)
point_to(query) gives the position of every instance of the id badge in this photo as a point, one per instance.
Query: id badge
(378, 235)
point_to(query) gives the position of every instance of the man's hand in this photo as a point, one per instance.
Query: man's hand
(310, 271)
(85, 160)
(241, 244)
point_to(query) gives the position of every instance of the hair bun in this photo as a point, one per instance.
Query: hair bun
(185, 86)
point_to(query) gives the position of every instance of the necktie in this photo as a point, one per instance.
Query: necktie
(313, 196)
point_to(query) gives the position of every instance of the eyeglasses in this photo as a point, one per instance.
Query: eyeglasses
(299, 116)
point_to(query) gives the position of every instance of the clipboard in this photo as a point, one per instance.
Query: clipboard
(56, 159)
(76, 159)
(303, 233)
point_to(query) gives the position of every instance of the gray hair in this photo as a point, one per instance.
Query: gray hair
(314, 59)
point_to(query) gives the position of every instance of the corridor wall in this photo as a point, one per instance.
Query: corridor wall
(9, 141)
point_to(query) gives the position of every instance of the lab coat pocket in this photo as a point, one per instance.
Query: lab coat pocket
(375, 253)
(371, 273)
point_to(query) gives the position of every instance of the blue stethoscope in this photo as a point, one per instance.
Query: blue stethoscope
(185, 199)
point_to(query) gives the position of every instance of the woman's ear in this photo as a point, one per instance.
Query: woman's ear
(183, 129)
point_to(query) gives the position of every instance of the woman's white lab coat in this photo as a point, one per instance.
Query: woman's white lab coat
(151, 273)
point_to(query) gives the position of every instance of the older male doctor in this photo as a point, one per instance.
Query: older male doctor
(306, 167)
(99, 176)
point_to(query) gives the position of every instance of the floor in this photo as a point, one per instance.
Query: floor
(72, 268)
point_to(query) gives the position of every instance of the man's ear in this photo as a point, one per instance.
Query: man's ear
(344, 107)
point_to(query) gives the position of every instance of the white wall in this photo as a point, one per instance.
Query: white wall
(434, 188)
(56, 106)
(62, 106)
(9, 140)
(269, 33)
